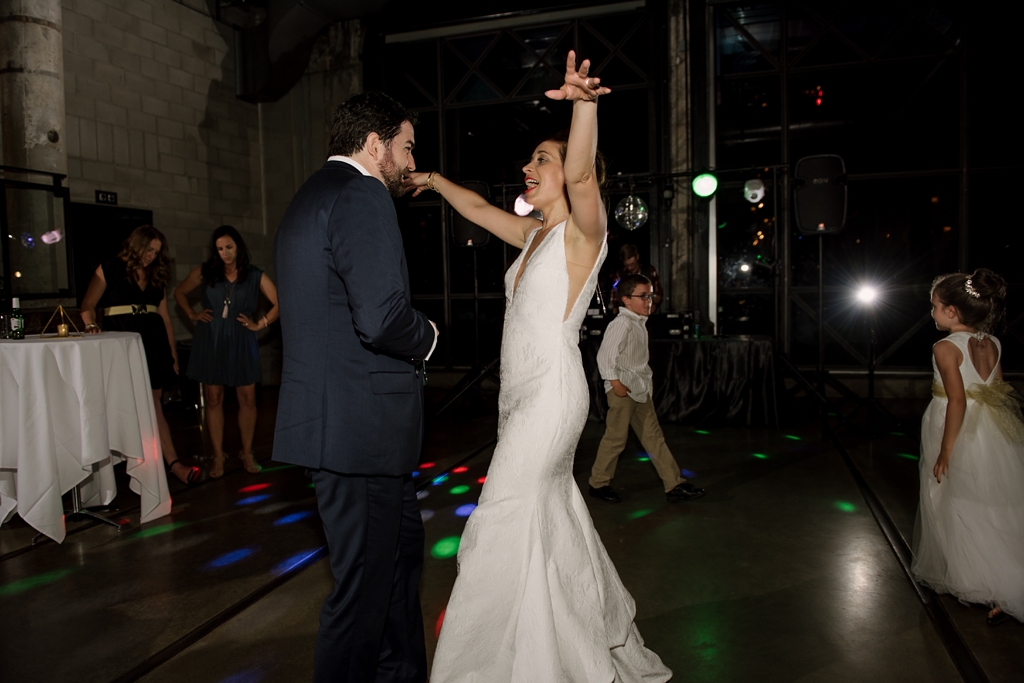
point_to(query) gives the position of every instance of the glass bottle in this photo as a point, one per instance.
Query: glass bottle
(17, 320)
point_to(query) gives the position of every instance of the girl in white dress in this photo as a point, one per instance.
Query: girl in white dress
(969, 535)
(537, 599)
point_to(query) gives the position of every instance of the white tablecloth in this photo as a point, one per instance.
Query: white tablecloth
(69, 409)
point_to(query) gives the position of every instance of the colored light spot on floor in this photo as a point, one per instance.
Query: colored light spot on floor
(247, 676)
(445, 548)
(643, 458)
(276, 468)
(296, 561)
(292, 518)
(701, 431)
(312, 485)
(415, 473)
(481, 480)
(793, 437)
(22, 585)
(426, 465)
(426, 515)
(846, 507)
(253, 499)
(898, 434)
(458, 490)
(420, 495)
(908, 456)
(439, 480)
(230, 558)
(253, 488)
(440, 621)
(460, 470)
(637, 514)
(157, 530)
(688, 474)
(465, 510)
(123, 521)
(760, 456)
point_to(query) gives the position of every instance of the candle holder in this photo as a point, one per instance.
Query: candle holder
(62, 326)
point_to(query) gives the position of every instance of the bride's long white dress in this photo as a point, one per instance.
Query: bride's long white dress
(537, 599)
(969, 536)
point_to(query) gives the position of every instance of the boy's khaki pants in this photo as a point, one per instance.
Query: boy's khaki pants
(624, 413)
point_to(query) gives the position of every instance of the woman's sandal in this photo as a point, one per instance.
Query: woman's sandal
(997, 618)
(251, 466)
(217, 470)
(191, 477)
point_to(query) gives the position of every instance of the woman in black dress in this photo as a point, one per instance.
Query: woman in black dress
(129, 290)
(224, 347)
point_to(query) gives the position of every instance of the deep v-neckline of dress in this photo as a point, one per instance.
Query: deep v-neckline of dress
(528, 257)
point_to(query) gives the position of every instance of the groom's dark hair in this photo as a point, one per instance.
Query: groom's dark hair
(362, 114)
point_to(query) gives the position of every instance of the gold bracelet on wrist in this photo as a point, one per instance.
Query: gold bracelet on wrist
(430, 181)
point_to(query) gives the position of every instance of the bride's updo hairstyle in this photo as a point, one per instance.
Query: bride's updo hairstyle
(561, 138)
(979, 298)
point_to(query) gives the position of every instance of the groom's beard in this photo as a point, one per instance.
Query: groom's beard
(392, 176)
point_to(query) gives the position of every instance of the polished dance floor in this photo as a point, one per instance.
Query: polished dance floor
(782, 572)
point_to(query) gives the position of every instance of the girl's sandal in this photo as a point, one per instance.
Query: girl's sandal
(217, 469)
(251, 466)
(190, 478)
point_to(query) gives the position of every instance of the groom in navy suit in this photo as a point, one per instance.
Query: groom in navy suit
(351, 405)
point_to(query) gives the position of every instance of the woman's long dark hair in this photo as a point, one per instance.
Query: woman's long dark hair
(134, 249)
(213, 268)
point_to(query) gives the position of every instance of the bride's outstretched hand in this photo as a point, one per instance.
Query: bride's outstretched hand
(416, 182)
(578, 85)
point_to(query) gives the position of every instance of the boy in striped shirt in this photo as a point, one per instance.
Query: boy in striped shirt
(623, 362)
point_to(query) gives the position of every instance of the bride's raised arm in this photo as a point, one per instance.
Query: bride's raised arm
(581, 182)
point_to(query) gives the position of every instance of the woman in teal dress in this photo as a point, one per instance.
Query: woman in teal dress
(224, 346)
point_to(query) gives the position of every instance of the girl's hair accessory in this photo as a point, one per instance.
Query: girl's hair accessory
(969, 288)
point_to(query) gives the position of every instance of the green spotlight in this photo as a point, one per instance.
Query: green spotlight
(704, 185)
(446, 547)
(845, 507)
(760, 456)
(460, 489)
(23, 585)
(637, 514)
(908, 456)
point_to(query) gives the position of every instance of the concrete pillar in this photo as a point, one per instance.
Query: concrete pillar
(680, 155)
(32, 104)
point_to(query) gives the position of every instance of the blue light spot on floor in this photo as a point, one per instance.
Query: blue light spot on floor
(688, 474)
(465, 510)
(415, 473)
(295, 561)
(439, 480)
(253, 499)
(247, 676)
(294, 517)
(230, 558)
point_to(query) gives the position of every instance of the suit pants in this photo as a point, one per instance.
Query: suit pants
(624, 413)
(371, 626)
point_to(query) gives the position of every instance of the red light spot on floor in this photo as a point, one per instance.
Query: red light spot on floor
(253, 487)
(481, 480)
(124, 521)
(460, 470)
(440, 620)
(426, 465)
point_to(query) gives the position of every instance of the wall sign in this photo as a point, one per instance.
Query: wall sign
(106, 197)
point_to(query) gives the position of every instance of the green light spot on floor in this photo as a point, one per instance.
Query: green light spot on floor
(312, 485)
(460, 489)
(23, 585)
(846, 507)
(643, 459)
(445, 548)
(701, 431)
(898, 434)
(761, 456)
(908, 456)
(161, 529)
(637, 514)
(276, 468)
(793, 437)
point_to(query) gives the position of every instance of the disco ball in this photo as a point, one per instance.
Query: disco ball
(631, 212)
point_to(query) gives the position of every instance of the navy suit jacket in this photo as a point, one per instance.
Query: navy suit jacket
(351, 399)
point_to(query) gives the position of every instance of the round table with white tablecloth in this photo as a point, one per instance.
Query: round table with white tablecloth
(70, 408)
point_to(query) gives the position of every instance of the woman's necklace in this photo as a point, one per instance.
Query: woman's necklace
(227, 296)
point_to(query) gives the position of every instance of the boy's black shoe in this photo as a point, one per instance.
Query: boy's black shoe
(685, 491)
(605, 493)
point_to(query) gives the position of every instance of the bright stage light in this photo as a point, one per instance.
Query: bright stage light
(705, 185)
(745, 268)
(867, 294)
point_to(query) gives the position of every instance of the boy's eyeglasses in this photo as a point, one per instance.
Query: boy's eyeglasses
(645, 297)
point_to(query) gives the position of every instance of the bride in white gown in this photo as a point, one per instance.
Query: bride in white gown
(537, 599)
